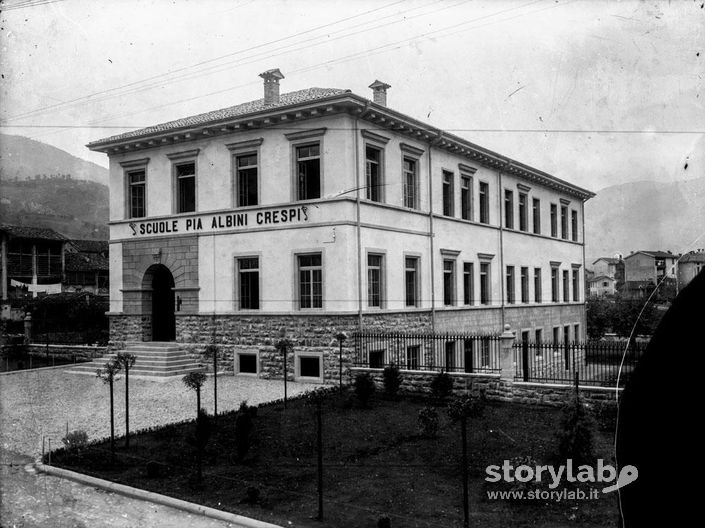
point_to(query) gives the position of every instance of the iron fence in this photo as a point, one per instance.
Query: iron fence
(470, 353)
(604, 363)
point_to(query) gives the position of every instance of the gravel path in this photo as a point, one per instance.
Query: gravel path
(36, 404)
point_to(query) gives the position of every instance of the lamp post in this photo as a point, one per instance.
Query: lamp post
(341, 337)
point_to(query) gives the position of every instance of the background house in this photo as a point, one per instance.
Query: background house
(86, 267)
(648, 268)
(602, 285)
(690, 265)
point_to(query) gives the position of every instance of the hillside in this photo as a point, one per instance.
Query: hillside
(22, 158)
(42, 186)
(645, 215)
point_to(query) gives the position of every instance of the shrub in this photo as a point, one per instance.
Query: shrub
(384, 522)
(466, 406)
(392, 380)
(576, 434)
(154, 469)
(428, 422)
(75, 440)
(441, 386)
(364, 387)
(244, 425)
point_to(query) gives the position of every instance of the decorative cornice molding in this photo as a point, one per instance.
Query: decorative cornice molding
(368, 134)
(182, 154)
(305, 134)
(131, 164)
(245, 145)
(485, 256)
(564, 201)
(576, 266)
(450, 252)
(410, 149)
(523, 187)
(467, 168)
(555, 263)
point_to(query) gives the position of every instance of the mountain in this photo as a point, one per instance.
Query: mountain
(645, 215)
(23, 158)
(42, 186)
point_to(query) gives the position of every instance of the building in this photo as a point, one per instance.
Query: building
(601, 285)
(318, 211)
(32, 261)
(689, 265)
(86, 267)
(645, 270)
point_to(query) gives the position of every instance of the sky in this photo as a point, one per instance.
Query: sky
(595, 92)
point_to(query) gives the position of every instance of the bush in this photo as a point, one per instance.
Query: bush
(364, 387)
(392, 381)
(244, 424)
(428, 422)
(441, 386)
(154, 469)
(466, 406)
(576, 435)
(75, 440)
(201, 432)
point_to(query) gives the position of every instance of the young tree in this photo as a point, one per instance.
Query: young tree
(194, 381)
(126, 361)
(108, 374)
(212, 353)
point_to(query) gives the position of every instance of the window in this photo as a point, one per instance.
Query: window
(467, 355)
(376, 358)
(450, 355)
(554, 220)
(484, 283)
(411, 281)
(554, 284)
(247, 363)
(484, 203)
(564, 222)
(576, 332)
(466, 197)
(510, 285)
(556, 336)
(373, 173)
(523, 212)
(566, 336)
(137, 204)
(413, 352)
(468, 283)
(508, 209)
(309, 366)
(485, 352)
(448, 193)
(410, 183)
(310, 281)
(536, 211)
(448, 282)
(525, 285)
(574, 225)
(576, 285)
(246, 179)
(566, 287)
(374, 280)
(248, 283)
(308, 171)
(186, 187)
(537, 285)
(539, 335)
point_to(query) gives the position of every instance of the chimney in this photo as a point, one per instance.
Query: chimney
(271, 86)
(379, 92)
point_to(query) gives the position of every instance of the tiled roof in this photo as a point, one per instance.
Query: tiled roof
(609, 260)
(90, 246)
(600, 278)
(85, 262)
(287, 99)
(39, 233)
(693, 256)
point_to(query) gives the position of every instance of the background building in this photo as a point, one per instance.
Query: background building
(316, 211)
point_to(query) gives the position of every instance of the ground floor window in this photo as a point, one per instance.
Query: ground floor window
(246, 363)
(309, 367)
(376, 358)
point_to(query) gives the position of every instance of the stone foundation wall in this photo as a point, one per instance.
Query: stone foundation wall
(497, 389)
(69, 351)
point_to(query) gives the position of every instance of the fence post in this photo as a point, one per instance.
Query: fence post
(506, 353)
(27, 328)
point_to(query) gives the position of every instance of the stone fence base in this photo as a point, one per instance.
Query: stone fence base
(498, 389)
(80, 352)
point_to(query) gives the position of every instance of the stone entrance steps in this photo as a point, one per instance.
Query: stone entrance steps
(157, 360)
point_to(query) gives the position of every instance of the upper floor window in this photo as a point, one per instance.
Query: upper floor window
(523, 212)
(466, 197)
(310, 271)
(576, 285)
(136, 189)
(448, 193)
(411, 281)
(508, 209)
(537, 285)
(485, 283)
(566, 287)
(248, 283)
(564, 222)
(308, 171)
(246, 180)
(410, 183)
(468, 283)
(554, 220)
(524, 285)
(373, 173)
(574, 225)
(484, 202)
(555, 279)
(448, 282)
(536, 210)
(510, 285)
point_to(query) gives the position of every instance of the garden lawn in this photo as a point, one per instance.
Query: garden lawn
(376, 463)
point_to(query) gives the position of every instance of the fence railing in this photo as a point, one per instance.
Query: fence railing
(595, 362)
(470, 353)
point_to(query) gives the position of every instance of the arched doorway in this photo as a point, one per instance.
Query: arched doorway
(163, 320)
